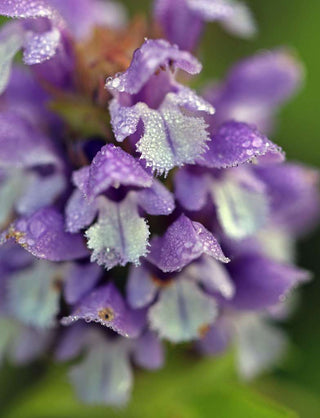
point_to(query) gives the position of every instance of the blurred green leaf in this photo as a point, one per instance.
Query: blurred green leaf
(185, 388)
(82, 117)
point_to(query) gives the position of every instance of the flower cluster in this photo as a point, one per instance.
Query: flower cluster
(134, 210)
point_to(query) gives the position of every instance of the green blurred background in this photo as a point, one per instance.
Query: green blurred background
(189, 387)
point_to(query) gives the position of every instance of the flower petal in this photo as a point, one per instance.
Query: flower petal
(181, 311)
(191, 189)
(11, 40)
(259, 347)
(237, 143)
(90, 13)
(241, 210)
(171, 138)
(240, 22)
(124, 120)
(212, 275)
(293, 194)
(156, 200)
(32, 296)
(41, 47)
(28, 344)
(40, 191)
(141, 289)
(79, 280)
(261, 282)
(217, 339)
(146, 60)
(120, 236)
(79, 212)
(43, 235)
(114, 167)
(104, 376)
(184, 242)
(106, 306)
(148, 352)
(255, 87)
(21, 145)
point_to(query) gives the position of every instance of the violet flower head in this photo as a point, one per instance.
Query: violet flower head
(133, 210)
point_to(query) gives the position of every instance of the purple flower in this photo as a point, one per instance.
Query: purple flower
(133, 210)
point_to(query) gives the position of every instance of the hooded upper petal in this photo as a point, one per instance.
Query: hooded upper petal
(175, 16)
(44, 236)
(261, 282)
(255, 87)
(183, 242)
(237, 143)
(112, 167)
(106, 306)
(146, 60)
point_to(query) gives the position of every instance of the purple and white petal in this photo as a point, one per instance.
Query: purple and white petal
(191, 189)
(174, 17)
(32, 296)
(11, 41)
(212, 275)
(255, 87)
(242, 207)
(211, 9)
(148, 351)
(24, 95)
(104, 376)
(261, 282)
(141, 289)
(79, 280)
(21, 145)
(259, 346)
(72, 342)
(293, 193)
(112, 167)
(217, 339)
(25, 9)
(124, 120)
(11, 186)
(240, 22)
(39, 192)
(41, 47)
(120, 235)
(156, 200)
(29, 344)
(90, 13)
(171, 137)
(79, 212)
(146, 60)
(181, 311)
(44, 236)
(106, 306)
(237, 143)
(183, 242)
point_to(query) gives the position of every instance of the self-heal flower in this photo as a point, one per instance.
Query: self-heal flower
(174, 128)
(134, 211)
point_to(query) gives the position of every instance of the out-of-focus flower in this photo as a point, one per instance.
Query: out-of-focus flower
(107, 160)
